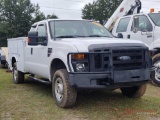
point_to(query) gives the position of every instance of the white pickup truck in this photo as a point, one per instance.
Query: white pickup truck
(143, 27)
(79, 54)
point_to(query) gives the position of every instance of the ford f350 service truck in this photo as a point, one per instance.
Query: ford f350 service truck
(79, 54)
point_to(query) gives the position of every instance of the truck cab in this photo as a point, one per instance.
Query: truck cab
(146, 30)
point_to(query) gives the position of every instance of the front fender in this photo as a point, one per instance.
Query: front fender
(155, 44)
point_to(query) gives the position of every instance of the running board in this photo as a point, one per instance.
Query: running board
(40, 80)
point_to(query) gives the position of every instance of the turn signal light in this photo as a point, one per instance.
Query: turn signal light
(152, 10)
(78, 56)
(29, 40)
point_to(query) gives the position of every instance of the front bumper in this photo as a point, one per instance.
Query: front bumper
(117, 79)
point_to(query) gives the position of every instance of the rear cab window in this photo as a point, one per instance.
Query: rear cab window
(33, 27)
(123, 24)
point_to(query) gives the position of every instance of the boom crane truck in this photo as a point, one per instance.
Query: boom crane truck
(128, 23)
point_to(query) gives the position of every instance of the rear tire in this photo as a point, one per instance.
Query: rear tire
(134, 92)
(18, 76)
(64, 95)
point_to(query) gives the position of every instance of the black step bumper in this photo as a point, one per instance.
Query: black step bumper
(117, 79)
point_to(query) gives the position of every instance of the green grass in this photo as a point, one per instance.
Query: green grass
(33, 101)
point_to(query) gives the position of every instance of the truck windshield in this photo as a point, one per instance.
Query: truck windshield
(77, 28)
(155, 18)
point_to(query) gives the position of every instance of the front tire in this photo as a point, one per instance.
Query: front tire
(64, 95)
(134, 92)
(155, 75)
(18, 76)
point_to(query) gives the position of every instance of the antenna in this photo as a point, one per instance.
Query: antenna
(54, 7)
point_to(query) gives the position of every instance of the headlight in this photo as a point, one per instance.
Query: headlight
(80, 66)
(80, 62)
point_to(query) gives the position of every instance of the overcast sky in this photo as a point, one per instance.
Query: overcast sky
(72, 8)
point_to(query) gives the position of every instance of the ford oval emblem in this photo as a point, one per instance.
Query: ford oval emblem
(124, 58)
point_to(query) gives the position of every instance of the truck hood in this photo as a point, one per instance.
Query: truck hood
(82, 44)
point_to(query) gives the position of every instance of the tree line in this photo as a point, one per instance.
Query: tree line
(16, 18)
(100, 10)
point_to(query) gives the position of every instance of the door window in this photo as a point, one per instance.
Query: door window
(33, 28)
(42, 33)
(123, 24)
(144, 23)
(41, 30)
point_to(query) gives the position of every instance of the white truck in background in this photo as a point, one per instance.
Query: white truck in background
(3, 56)
(138, 26)
(79, 54)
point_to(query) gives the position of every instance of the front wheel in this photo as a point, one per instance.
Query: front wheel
(134, 92)
(18, 76)
(155, 75)
(64, 95)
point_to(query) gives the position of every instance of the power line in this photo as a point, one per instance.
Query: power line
(60, 8)
(77, 1)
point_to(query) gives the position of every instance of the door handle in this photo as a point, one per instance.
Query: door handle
(128, 36)
(31, 51)
(148, 36)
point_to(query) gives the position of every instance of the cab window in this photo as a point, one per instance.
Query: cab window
(144, 23)
(42, 33)
(33, 28)
(123, 24)
(42, 30)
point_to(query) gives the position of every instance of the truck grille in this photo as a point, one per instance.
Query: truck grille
(136, 59)
(117, 59)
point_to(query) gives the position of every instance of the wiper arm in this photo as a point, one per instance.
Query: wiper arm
(69, 36)
(66, 36)
(97, 36)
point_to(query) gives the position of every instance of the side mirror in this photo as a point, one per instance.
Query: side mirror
(34, 39)
(120, 35)
(135, 24)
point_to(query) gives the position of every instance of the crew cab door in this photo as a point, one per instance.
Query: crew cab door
(36, 55)
(121, 27)
(143, 31)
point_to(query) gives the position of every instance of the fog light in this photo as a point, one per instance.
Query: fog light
(80, 66)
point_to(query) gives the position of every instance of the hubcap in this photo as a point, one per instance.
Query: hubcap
(15, 73)
(157, 71)
(59, 89)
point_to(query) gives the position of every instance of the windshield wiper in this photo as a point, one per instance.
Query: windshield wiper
(97, 36)
(69, 36)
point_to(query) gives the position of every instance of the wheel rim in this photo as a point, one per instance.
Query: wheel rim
(15, 73)
(157, 71)
(59, 89)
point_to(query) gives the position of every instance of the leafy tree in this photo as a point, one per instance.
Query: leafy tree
(38, 15)
(53, 16)
(17, 16)
(100, 10)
